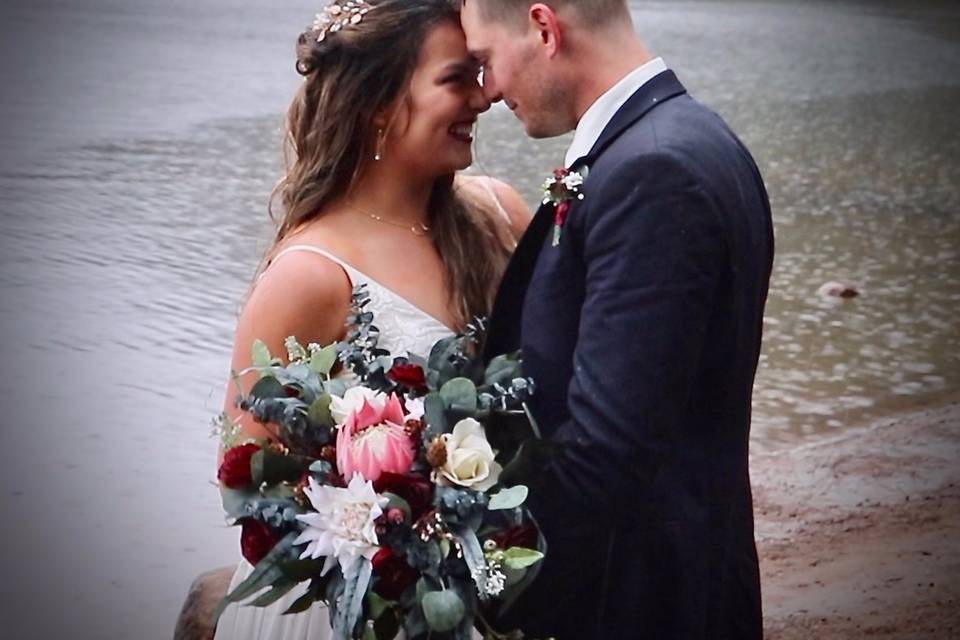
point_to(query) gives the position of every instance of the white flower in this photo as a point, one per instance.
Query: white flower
(342, 529)
(572, 180)
(352, 400)
(414, 408)
(470, 458)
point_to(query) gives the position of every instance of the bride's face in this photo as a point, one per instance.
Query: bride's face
(433, 128)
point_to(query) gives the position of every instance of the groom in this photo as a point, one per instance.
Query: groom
(639, 315)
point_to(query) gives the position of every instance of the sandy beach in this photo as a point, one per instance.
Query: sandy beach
(859, 536)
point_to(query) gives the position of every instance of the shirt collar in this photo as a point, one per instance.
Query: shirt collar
(600, 113)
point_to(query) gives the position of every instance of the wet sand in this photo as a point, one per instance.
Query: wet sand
(859, 536)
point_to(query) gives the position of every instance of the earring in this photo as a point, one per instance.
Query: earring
(379, 152)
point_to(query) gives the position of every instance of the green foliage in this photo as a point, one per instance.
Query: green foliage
(319, 411)
(322, 361)
(443, 610)
(270, 466)
(510, 498)
(521, 558)
(435, 413)
(503, 369)
(350, 603)
(460, 395)
(261, 356)
(267, 572)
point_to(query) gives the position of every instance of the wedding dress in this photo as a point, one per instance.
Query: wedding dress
(404, 328)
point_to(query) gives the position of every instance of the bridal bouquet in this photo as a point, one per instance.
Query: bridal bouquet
(382, 491)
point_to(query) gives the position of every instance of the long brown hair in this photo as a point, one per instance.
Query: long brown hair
(349, 77)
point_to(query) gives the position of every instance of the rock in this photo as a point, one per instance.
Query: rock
(196, 616)
(837, 290)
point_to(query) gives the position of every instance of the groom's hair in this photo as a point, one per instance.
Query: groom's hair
(592, 13)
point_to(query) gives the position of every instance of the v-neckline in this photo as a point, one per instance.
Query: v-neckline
(403, 299)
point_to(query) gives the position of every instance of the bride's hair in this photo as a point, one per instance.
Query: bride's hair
(349, 75)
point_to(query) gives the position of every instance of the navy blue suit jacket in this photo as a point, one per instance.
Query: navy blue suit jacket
(642, 332)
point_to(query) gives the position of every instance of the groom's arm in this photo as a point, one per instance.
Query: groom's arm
(654, 253)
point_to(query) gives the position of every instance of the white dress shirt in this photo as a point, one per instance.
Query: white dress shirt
(598, 116)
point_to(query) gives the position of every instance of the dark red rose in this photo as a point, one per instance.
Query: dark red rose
(234, 471)
(560, 215)
(257, 539)
(393, 574)
(409, 375)
(416, 490)
(524, 535)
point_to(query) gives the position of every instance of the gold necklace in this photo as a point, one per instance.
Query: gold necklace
(418, 229)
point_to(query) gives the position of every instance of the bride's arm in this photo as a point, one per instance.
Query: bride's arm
(301, 295)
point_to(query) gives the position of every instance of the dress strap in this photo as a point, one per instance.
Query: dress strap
(353, 274)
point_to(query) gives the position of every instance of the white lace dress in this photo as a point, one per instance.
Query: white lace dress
(404, 328)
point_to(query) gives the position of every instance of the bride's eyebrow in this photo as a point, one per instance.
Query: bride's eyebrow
(468, 65)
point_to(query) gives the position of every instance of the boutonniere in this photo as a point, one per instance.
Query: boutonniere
(560, 190)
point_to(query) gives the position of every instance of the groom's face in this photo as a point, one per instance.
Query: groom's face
(513, 69)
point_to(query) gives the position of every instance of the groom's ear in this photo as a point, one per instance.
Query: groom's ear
(543, 19)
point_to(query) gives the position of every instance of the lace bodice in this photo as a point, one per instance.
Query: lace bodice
(404, 327)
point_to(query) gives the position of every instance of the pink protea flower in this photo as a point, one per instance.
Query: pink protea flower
(373, 440)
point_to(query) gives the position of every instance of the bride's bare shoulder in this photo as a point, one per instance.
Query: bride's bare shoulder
(301, 293)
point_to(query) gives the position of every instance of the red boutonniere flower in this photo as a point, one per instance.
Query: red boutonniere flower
(560, 190)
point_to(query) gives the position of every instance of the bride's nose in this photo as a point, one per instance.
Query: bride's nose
(478, 100)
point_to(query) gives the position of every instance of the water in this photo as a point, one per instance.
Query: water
(139, 141)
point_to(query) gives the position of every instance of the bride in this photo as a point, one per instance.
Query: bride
(375, 136)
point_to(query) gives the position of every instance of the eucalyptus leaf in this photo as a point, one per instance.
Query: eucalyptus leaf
(434, 412)
(273, 467)
(323, 360)
(508, 498)
(502, 369)
(237, 502)
(261, 355)
(460, 394)
(376, 604)
(443, 610)
(521, 558)
(268, 388)
(337, 387)
(319, 412)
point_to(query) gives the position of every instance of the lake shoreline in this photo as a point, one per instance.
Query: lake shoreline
(858, 534)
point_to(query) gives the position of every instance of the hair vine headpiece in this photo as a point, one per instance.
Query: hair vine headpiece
(338, 15)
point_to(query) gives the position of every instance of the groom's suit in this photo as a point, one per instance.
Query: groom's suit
(642, 331)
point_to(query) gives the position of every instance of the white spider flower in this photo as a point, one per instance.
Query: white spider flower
(342, 529)
(415, 408)
(352, 400)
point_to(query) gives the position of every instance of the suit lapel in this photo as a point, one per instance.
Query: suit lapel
(503, 335)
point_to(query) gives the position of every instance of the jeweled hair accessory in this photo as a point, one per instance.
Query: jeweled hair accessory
(338, 15)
